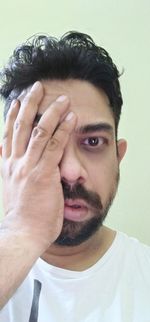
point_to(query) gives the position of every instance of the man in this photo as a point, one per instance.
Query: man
(60, 170)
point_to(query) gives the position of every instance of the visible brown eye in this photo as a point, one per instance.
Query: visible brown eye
(93, 141)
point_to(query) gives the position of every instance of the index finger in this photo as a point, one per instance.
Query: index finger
(25, 118)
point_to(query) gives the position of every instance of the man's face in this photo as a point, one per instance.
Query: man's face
(89, 167)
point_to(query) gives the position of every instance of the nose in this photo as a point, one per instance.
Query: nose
(72, 169)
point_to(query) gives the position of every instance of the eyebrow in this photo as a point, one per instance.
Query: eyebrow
(95, 127)
(88, 128)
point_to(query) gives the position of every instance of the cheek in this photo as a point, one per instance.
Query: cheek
(103, 175)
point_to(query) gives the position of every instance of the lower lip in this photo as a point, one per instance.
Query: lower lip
(75, 214)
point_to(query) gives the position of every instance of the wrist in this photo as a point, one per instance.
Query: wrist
(29, 238)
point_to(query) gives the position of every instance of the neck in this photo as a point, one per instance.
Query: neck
(79, 258)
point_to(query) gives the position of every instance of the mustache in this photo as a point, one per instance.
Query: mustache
(79, 192)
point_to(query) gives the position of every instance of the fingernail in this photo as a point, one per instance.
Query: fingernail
(13, 103)
(69, 116)
(61, 98)
(23, 92)
(22, 95)
(35, 86)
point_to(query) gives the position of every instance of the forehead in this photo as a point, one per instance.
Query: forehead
(90, 104)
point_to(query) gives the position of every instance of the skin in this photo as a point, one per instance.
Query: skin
(34, 163)
(82, 165)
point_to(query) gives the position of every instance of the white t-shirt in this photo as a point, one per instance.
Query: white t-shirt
(115, 289)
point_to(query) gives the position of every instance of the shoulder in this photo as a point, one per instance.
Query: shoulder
(135, 251)
(134, 242)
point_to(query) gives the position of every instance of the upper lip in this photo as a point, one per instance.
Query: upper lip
(74, 203)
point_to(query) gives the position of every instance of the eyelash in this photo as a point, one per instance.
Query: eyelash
(101, 141)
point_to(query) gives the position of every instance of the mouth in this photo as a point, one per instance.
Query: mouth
(75, 210)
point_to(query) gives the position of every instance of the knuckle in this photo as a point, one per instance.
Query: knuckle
(39, 132)
(7, 168)
(20, 124)
(19, 174)
(12, 169)
(5, 135)
(53, 144)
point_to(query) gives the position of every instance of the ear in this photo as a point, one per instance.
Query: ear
(121, 149)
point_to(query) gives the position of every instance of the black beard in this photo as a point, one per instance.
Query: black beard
(75, 233)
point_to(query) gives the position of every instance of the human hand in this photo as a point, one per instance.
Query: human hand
(32, 190)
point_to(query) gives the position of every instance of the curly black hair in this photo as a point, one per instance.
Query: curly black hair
(74, 56)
